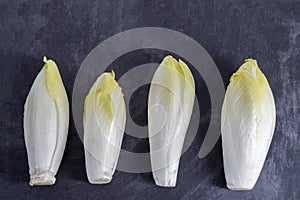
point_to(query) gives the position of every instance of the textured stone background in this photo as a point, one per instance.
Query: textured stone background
(231, 31)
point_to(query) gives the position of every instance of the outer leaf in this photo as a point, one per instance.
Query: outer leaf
(170, 105)
(46, 121)
(248, 122)
(104, 123)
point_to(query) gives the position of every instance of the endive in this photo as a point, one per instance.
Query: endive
(104, 122)
(170, 104)
(46, 121)
(247, 125)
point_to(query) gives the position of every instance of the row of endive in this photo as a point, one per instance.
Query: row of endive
(247, 124)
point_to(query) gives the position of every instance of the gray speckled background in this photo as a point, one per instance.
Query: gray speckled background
(268, 31)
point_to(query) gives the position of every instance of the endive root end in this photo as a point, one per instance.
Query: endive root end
(42, 179)
(239, 188)
(166, 177)
(101, 181)
(170, 184)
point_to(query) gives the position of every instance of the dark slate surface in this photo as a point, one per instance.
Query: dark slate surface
(229, 30)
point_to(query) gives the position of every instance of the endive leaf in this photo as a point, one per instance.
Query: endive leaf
(104, 123)
(170, 104)
(247, 125)
(46, 121)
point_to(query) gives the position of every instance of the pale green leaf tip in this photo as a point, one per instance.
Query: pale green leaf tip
(45, 59)
(168, 57)
(180, 67)
(170, 62)
(102, 94)
(250, 68)
(112, 73)
(234, 76)
(182, 64)
(53, 79)
(250, 60)
(187, 73)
